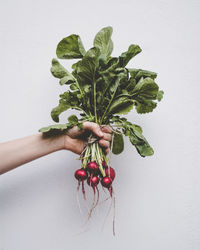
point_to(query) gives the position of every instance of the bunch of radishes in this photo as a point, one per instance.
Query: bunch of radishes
(93, 175)
(102, 88)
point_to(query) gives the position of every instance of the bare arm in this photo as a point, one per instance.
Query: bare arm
(20, 151)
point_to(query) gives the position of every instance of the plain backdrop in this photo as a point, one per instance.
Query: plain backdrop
(158, 197)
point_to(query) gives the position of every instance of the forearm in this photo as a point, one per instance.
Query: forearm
(20, 151)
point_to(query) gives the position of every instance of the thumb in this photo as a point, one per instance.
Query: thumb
(94, 127)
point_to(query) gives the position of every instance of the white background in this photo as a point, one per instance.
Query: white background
(157, 198)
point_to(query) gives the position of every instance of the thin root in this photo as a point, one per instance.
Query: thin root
(83, 191)
(93, 204)
(77, 198)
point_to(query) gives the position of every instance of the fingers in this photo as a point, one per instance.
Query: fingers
(107, 151)
(107, 136)
(106, 129)
(104, 133)
(95, 128)
(103, 143)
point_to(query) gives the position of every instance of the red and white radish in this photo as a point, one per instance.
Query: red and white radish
(93, 167)
(81, 174)
(93, 181)
(110, 172)
(106, 182)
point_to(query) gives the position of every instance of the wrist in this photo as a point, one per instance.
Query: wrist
(68, 143)
(54, 143)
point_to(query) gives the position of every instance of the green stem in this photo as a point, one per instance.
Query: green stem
(99, 160)
(108, 106)
(82, 94)
(86, 156)
(93, 151)
(95, 103)
(79, 87)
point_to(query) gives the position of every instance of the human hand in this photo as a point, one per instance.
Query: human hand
(75, 139)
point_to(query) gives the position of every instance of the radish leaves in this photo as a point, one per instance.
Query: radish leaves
(102, 88)
(70, 47)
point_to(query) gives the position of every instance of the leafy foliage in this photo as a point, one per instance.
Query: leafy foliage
(103, 41)
(70, 47)
(101, 87)
(118, 144)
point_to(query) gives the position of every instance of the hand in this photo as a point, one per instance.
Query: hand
(75, 139)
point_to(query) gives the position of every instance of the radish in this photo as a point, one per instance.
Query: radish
(93, 167)
(93, 181)
(106, 182)
(110, 172)
(81, 174)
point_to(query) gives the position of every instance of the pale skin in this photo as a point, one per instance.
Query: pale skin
(20, 151)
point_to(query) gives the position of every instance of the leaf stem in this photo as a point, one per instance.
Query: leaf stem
(108, 105)
(99, 159)
(117, 85)
(79, 87)
(95, 103)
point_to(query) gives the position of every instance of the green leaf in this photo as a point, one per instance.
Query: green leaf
(68, 100)
(131, 85)
(125, 57)
(146, 88)
(142, 146)
(134, 132)
(73, 119)
(58, 110)
(57, 69)
(61, 127)
(138, 73)
(74, 87)
(160, 95)
(137, 129)
(121, 105)
(144, 93)
(85, 69)
(137, 139)
(145, 106)
(70, 47)
(103, 41)
(118, 144)
(67, 80)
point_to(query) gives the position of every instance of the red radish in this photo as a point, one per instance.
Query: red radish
(106, 182)
(93, 167)
(110, 172)
(80, 174)
(93, 181)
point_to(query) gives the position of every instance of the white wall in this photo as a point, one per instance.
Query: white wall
(158, 198)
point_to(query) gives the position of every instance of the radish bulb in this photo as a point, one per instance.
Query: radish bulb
(93, 181)
(93, 167)
(106, 182)
(110, 172)
(81, 174)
